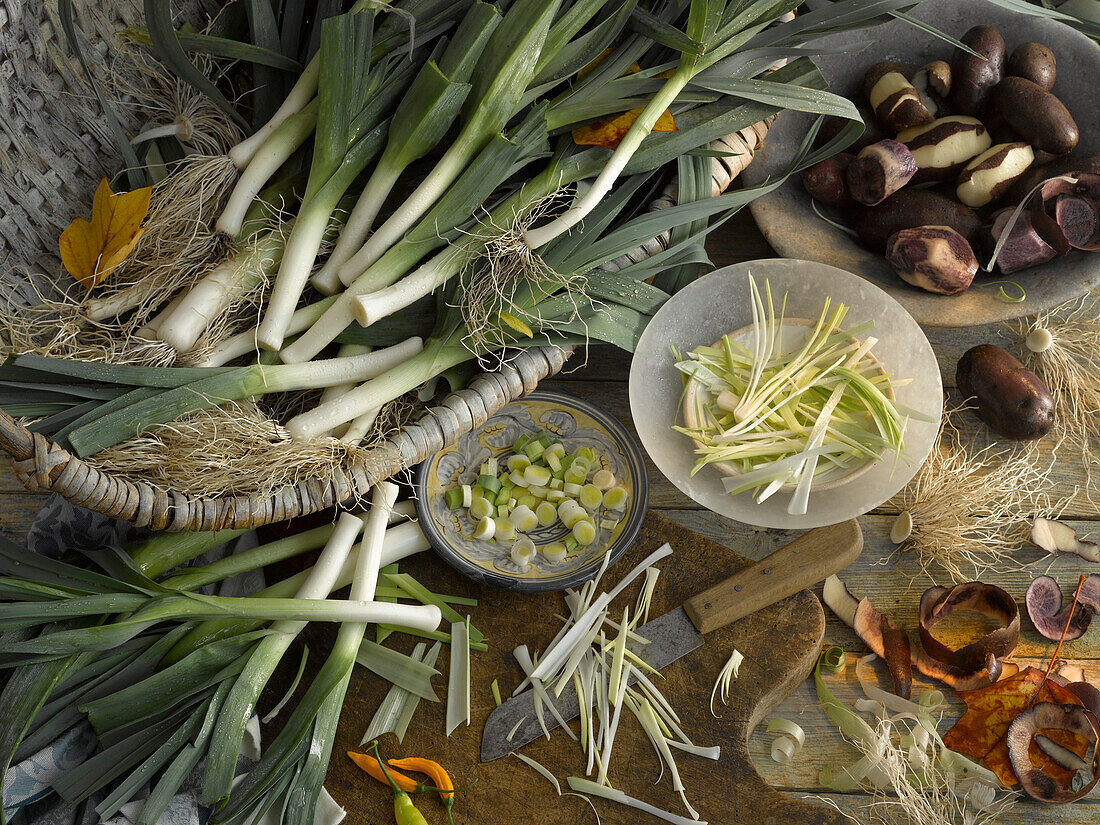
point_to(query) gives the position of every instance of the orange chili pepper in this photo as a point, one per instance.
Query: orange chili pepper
(369, 764)
(436, 772)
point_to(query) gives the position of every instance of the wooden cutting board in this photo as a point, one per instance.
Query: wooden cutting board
(780, 645)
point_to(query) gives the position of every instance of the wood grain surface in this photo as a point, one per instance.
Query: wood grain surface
(780, 644)
(514, 794)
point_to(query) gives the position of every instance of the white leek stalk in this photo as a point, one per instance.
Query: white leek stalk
(227, 282)
(639, 130)
(239, 705)
(284, 142)
(245, 342)
(301, 95)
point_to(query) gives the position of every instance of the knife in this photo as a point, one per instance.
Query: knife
(804, 562)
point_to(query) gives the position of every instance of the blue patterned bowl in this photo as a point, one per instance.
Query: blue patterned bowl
(578, 424)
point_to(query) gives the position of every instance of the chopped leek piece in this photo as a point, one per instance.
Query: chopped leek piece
(591, 497)
(536, 476)
(547, 513)
(495, 687)
(727, 674)
(584, 531)
(480, 508)
(529, 501)
(518, 462)
(517, 478)
(453, 498)
(398, 669)
(555, 552)
(539, 769)
(544, 439)
(490, 483)
(491, 466)
(609, 523)
(524, 519)
(533, 449)
(572, 488)
(554, 496)
(503, 510)
(505, 529)
(586, 786)
(521, 442)
(570, 543)
(512, 733)
(486, 529)
(553, 461)
(539, 492)
(789, 730)
(555, 449)
(615, 498)
(603, 480)
(556, 484)
(523, 553)
(386, 717)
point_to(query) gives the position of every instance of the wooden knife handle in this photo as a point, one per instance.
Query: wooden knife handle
(804, 562)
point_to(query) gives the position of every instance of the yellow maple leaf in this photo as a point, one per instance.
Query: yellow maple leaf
(91, 249)
(610, 131)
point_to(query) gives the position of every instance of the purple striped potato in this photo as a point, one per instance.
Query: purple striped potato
(991, 174)
(933, 258)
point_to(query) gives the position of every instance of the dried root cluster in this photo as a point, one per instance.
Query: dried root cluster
(971, 508)
(903, 795)
(1062, 347)
(238, 448)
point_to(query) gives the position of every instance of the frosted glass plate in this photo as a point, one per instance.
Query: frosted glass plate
(703, 311)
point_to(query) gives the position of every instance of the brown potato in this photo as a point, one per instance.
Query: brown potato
(973, 78)
(909, 208)
(1010, 398)
(826, 182)
(1035, 62)
(872, 134)
(1038, 116)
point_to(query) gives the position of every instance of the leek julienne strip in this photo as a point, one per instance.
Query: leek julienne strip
(458, 678)
(586, 786)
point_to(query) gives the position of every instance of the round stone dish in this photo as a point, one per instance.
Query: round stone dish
(794, 230)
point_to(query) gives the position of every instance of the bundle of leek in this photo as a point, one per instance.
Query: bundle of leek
(163, 699)
(454, 116)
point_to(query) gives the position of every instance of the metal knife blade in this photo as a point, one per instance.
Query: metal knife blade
(670, 637)
(807, 560)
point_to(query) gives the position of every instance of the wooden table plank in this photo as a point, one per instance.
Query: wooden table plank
(602, 380)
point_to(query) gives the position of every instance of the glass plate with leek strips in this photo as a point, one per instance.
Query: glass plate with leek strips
(783, 412)
(790, 402)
